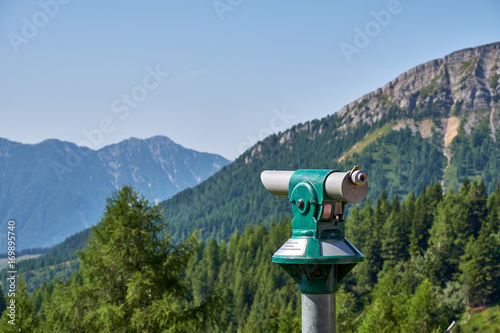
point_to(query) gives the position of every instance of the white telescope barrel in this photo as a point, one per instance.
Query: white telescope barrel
(351, 187)
(276, 182)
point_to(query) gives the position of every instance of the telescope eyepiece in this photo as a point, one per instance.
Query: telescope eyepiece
(358, 177)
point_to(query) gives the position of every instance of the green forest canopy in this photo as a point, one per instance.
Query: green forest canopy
(428, 259)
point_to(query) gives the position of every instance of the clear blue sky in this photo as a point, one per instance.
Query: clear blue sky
(78, 66)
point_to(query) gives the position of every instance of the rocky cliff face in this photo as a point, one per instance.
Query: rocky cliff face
(467, 80)
(459, 88)
(439, 96)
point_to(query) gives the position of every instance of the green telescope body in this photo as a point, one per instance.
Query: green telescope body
(317, 256)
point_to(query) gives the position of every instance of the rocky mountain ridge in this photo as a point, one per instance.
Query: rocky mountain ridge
(436, 123)
(462, 76)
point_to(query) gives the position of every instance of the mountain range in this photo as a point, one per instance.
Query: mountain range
(439, 122)
(54, 189)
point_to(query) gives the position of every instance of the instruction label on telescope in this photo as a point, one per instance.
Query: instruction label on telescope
(293, 247)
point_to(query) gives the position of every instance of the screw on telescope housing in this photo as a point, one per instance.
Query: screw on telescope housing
(300, 203)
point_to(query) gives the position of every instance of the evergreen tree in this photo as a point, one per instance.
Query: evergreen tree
(373, 229)
(423, 311)
(25, 319)
(448, 237)
(481, 265)
(132, 277)
(477, 209)
(407, 214)
(395, 241)
(346, 310)
(423, 219)
(358, 223)
(493, 208)
(464, 189)
(289, 321)
(452, 300)
(62, 311)
(387, 306)
(418, 231)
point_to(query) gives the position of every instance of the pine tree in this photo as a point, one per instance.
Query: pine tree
(423, 219)
(493, 208)
(395, 241)
(418, 231)
(358, 223)
(289, 322)
(346, 308)
(477, 209)
(132, 276)
(407, 214)
(481, 265)
(448, 237)
(464, 189)
(372, 247)
(25, 319)
(62, 311)
(423, 311)
(387, 306)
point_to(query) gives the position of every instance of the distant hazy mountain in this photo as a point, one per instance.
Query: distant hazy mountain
(54, 189)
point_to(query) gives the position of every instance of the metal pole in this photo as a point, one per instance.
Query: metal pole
(318, 313)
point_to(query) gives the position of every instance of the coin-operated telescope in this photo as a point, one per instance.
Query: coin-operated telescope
(317, 256)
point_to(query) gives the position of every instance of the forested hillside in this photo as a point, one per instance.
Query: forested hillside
(59, 262)
(429, 259)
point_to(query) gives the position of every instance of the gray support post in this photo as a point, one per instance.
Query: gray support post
(318, 313)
